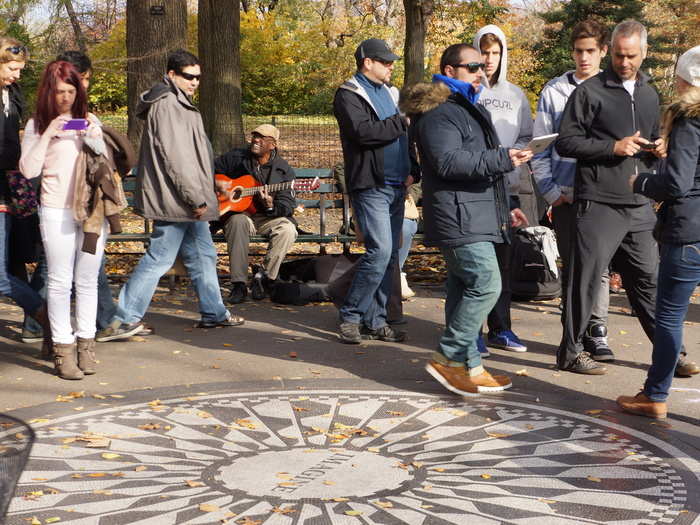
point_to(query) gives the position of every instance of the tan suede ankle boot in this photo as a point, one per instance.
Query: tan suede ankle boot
(65, 361)
(86, 356)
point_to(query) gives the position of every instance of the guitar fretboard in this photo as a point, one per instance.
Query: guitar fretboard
(270, 188)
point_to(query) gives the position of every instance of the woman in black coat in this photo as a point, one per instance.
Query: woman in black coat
(13, 56)
(677, 187)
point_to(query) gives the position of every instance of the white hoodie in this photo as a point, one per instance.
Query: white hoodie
(508, 106)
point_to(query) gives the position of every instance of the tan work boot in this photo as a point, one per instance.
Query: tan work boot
(641, 405)
(86, 356)
(65, 362)
(456, 379)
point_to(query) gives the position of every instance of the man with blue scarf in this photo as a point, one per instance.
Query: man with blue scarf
(466, 209)
(377, 172)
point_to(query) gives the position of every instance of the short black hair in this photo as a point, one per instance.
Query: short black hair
(452, 55)
(79, 59)
(180, 59)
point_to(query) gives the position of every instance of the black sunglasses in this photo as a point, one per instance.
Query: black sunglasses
(472, 67)
(16, 50)
(189, 76)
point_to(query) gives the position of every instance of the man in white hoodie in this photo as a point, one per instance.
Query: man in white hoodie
(512, 118)
(555, 174)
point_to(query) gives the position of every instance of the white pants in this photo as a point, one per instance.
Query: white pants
(63, 240)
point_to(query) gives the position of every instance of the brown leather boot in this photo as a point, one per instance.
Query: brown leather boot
(65, 362)
(641, 405)
(86, 356)
(41, 316)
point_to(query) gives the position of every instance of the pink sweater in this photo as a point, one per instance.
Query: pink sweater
(55, 159)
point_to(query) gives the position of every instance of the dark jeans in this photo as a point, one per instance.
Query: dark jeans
(679, 275)
(379, 216)
(563, 218)
(10, 286)
(602, 231)
(498, 319)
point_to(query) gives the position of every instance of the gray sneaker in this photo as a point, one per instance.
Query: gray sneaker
(29, 336)
(349, 333)
(118, 330)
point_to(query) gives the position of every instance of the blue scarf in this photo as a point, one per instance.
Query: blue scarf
(459, 86)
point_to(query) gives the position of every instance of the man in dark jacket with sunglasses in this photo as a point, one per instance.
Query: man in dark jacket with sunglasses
(466, 209)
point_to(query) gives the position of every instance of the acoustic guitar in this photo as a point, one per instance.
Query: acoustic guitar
(236, 195)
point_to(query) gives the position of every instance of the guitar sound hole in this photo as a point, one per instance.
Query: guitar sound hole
(236, 193)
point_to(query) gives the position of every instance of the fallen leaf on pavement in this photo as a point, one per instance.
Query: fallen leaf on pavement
(207, 507)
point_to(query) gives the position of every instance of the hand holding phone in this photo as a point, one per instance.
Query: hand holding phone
(76, 124)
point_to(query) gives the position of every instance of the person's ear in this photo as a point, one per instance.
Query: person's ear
(171, 74)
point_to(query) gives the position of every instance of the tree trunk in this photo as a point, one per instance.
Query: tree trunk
(220, 91)
(418, 13)
(79, 35)
(150, 35)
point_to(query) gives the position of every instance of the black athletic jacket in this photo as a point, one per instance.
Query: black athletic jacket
(599, 112)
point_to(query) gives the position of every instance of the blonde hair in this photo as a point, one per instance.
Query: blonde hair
(8, 46)
(691, 97)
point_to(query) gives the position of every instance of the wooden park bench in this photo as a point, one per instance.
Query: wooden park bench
(327, 196)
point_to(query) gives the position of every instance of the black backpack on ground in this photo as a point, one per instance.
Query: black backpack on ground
(532, 275)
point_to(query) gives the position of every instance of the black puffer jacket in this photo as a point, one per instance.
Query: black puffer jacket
(465, 198)
(678, 182)
(9, 138)
(599, 112)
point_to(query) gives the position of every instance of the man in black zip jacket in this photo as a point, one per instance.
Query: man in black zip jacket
(377, 172)
(465, 209)
(611, 127)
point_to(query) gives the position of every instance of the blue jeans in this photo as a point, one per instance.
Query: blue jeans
(473, 286)
(408, 230)
(10, 286)
(379, 215)
(679, 275)
(193, 241)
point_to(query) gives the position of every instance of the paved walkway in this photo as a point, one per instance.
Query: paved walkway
(277, 423)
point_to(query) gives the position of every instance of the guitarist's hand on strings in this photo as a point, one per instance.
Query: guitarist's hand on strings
(266, 199)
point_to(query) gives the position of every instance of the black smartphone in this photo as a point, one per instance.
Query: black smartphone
(649, 146)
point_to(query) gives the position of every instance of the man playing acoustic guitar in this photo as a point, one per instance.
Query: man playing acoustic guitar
(269, 214)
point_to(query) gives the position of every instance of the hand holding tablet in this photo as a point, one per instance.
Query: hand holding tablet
(539, 144)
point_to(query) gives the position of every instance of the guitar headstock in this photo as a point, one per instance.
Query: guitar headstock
(306, 185)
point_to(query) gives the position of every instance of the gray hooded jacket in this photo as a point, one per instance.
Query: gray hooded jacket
(175, 173)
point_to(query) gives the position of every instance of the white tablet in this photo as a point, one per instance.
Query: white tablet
(539, 144)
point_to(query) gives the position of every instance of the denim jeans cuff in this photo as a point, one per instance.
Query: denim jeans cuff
(476, 371)
(444, 361)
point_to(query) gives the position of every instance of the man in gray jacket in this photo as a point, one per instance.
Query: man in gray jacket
(175, 189)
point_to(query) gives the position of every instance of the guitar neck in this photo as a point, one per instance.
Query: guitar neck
(270, 188)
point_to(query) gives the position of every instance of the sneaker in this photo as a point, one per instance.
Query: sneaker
(28, 336)
(685, 368)
(481, 347)
(146, 330)
(238, 294)
(385, 333)
(595, 342)
(585, 365)
(506, 340)
(349, 333)
(641, 405)
(118, 330)
(457, 380)
(231, 320)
